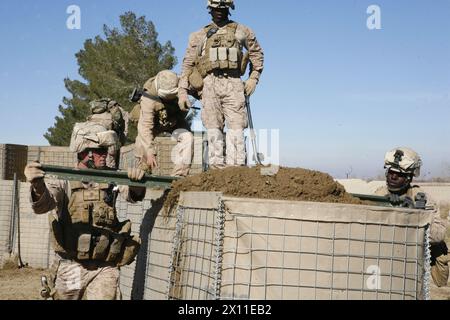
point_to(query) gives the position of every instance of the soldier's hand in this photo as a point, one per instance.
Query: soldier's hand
(394, 199)
(34, 173)
(151, 160)
(250, 86)
(408, 203)
(184, 103)
(135, 174)
(183, 100)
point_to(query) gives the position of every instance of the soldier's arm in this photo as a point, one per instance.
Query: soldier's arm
(189, 59)
(438, 228)
(47, 196)
(439, 225)
(146, 126)
(256, 53)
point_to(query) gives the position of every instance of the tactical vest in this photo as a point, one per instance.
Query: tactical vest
(91, 230)
(111, 118)
(166, 114)
(222, 50)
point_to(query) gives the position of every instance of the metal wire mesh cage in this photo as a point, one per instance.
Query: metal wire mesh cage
(230, 248)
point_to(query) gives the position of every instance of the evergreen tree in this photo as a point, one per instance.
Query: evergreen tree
(112, 66)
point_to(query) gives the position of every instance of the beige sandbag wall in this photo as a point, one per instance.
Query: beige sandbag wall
(230, 248)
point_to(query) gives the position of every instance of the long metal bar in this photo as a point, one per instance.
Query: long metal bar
(370, 197)
(258, 157)
(107, 176)
(12, 225)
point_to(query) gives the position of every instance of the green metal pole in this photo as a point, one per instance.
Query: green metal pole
(373, 198)
(107, 176)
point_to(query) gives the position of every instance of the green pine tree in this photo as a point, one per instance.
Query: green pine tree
(112, 66)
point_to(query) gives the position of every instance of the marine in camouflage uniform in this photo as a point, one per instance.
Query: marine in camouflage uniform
(214, 62)
(159, 112)
(112, 116)
(90, 242)
(402, 165)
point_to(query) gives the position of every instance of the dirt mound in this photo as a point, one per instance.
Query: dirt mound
(287, 184)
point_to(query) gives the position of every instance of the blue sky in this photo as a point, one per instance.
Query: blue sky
(340, 94)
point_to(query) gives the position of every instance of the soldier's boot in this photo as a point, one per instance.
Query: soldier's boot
(235, 147)
(215, 148)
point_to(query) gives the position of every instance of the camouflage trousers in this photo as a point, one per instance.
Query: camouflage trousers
(182, 153)
(181, 156)
(223, 102)
(73, 281)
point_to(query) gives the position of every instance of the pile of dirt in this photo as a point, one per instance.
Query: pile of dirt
(287, 184)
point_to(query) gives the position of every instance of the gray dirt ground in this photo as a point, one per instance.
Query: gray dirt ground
(20, 284)
(24, 284)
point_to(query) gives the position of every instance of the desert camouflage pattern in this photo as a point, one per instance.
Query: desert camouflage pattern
(196, 46)
(58, 193)
(439, 269)
(223, 98)
(408, 162)
(75, 281)
(157, 116)
(221, 4)
(439, 225)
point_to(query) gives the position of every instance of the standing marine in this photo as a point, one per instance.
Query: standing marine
(216, 58)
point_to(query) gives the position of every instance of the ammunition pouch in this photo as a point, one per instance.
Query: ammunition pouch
(107, 246)
(91, 230)
(223, 51)
(196, 80)
(130, 251)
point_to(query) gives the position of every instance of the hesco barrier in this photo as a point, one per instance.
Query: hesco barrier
(164, 147)
(216, 247)
(230, 248)
(13, 159)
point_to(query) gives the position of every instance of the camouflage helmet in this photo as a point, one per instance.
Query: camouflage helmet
(404, 160)
(91, 135)
(99, 106)
(166, 84)
(221, 4)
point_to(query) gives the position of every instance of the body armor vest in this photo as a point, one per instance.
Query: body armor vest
(91, 230)
(166, 114)
(222, 50)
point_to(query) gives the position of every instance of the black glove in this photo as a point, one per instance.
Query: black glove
(394, 199)
(407, 202)
(437, 250)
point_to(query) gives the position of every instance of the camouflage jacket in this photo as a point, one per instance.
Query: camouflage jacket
(438, 226)
(197, 39)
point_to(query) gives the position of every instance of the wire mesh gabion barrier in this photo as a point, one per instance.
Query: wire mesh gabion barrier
(230, 248)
